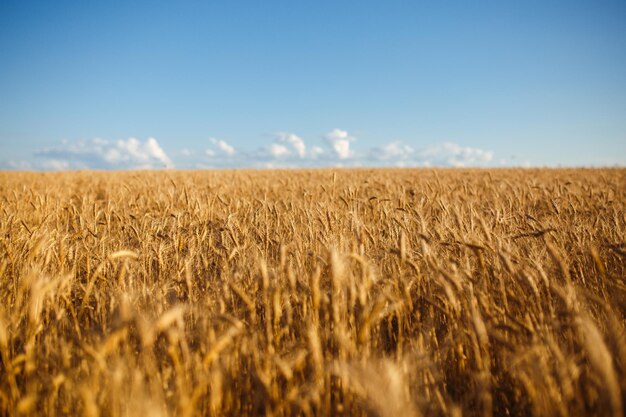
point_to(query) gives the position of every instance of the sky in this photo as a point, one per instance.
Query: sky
(223, 84)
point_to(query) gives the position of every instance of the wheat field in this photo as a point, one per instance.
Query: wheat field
(371, 292)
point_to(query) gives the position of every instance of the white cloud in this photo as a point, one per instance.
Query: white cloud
(295, 141)
(284, 150)
(277, 150)
(395, 150)
(112, 156)
(445, 154)
(101, 154)
(223, 146)
(316, 151)
(132, 151)
(154, 150)
(289, 150)
(56, 164)
(339, 140)
(221, 154)
(459, 156)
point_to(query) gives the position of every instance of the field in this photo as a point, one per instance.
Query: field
(313, 293)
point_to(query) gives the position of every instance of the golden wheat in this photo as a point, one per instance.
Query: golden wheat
(313, 293)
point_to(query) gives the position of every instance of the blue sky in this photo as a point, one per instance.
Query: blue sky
(317, 83)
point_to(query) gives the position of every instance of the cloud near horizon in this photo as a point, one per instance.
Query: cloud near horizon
(339, 141)
(285, 150)
(222, 146)
(290, 150)
(104, 154)
(446, 154)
